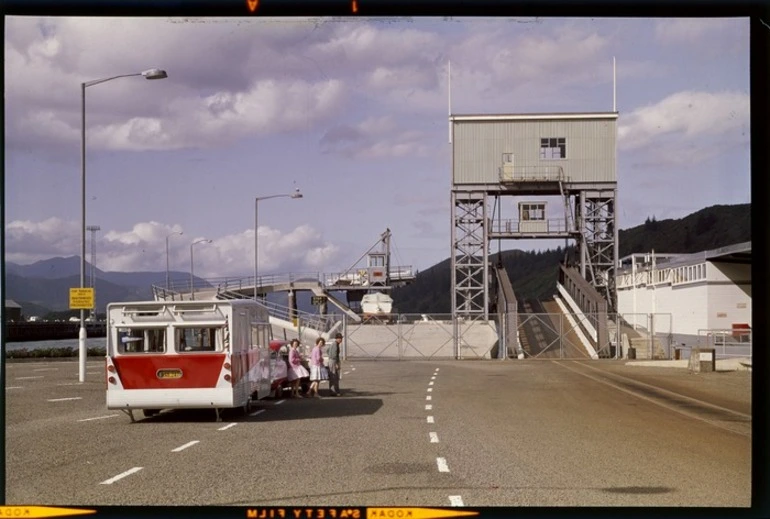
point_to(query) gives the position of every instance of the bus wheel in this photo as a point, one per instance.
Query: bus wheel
(150, 412)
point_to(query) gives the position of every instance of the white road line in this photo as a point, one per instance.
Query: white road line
(430, 383)
(428, 397)
(430, 389)
(98, 418)
(430, 419)
(186, 445)
(46, 369)
(255, 413)
(94, 372)
(428, 407)
(456, 501)
(121, 476)
(438, 369)
(69, 384)
(15, 387)
(442, 466)
(65, 399)
(433, 437)
(280, 402)
(226, 427)
(345, 372)
(28, 378)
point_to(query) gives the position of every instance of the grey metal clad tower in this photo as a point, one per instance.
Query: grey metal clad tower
(567, 158)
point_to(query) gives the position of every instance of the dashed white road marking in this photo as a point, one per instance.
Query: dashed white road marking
(186, 445)
(433, 377)
(65, 399)
(430, 419)
(121, 476)
(430, 383)
(69, 384)
(430, 389)
(15, 387)
(345, 372)
(456, 501)
(438, 369)
(226, 427)
(255, 413)
(29, 378)
(280, 402)
(428, 407)
(428, 397)
(442, 466)
(46, 369)
(433, 437)
(98, 418)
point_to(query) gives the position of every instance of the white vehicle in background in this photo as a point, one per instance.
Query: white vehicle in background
(187, 354)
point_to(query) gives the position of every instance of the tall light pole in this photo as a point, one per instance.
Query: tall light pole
(192, 286)
(152, 73)
(167, 237)
(295, 194)
(93, 229)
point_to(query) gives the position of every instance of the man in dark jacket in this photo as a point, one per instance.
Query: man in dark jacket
(335, 365)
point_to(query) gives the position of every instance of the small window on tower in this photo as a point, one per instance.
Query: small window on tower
(553, 148)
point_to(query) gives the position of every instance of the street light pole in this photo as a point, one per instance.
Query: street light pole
(295, 194)
(167, 237)
(148, 74)
(192, 286)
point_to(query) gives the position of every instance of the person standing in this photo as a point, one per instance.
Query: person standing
(296, 370)
(335, 365)
(316, 367)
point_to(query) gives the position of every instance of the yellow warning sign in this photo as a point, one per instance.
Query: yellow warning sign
(415, 513)
(81, 298)
(41, 511)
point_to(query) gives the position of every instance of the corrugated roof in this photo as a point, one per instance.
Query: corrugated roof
(533, 117)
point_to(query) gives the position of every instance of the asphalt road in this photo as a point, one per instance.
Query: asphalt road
(416, 433)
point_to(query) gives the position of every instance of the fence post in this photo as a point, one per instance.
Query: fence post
(345, 335)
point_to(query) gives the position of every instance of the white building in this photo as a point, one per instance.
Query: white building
(693, 294)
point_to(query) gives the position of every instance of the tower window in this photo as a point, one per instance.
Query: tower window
(553, 148)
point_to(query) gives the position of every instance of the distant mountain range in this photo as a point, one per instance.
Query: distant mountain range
(43, 287)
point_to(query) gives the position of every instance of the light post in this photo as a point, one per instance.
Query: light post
(295, 194)
(192, 286)
(153, 73)
(167, 237)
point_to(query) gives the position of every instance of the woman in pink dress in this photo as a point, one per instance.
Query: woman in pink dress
(316, 367)
(296, 370)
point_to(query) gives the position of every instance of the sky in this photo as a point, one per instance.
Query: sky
(354, 114)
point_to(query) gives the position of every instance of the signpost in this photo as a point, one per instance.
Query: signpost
(82, 298)
(318, 300)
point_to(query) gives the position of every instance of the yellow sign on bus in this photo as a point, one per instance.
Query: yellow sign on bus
(81, 298)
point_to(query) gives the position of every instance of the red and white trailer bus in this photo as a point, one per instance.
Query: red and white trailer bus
(187, 354)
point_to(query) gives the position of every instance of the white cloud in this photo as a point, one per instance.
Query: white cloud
(689, 30)
(374, 137)
(686, 116)
(143, 248)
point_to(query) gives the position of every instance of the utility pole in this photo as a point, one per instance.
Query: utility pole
(93, 229)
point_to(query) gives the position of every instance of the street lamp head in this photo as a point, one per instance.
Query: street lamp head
(296, 194)
(155, 73)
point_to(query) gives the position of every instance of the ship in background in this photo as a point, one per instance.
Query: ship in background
(368, 285)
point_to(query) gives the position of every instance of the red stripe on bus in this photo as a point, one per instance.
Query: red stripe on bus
(141, 371)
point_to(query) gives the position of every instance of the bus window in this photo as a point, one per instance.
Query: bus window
(141, 340)
(198, 339)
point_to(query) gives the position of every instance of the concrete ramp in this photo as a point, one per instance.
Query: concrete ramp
(336, 302)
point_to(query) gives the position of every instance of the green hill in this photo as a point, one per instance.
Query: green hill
(533, 274)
